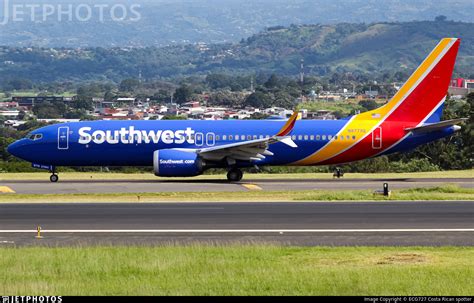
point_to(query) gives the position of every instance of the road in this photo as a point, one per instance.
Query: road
(337, 223)
(196, 185)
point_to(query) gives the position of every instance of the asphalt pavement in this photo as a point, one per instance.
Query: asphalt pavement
(199, 185)
(431, 223)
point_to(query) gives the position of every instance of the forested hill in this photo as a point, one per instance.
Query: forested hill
(372, 49)
(355, 47)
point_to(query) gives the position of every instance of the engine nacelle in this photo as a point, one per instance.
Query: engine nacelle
(176, 163)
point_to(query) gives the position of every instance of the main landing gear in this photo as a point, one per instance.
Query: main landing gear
(338, 173)
(234, 175)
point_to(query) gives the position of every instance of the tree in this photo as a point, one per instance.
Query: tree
(21, 115)
(20, 83)
(273, 82)
(440, 18)
(82, 103)
(109, 96)
(258, 100)
(48, 110)
(368, 104)
(183, 94)
(174, 118)
(129, 85)
(162, 96)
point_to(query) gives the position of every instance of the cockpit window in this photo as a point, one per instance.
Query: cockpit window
(35, 136)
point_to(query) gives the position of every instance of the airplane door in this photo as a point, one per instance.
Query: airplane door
(210, 139)
(63, 137)
(199, 139)
(377, 138)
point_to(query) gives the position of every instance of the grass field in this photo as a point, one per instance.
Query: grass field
(237, 270)
(447, 192)
(150, 176)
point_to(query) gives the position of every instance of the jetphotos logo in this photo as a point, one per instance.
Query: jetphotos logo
(133, 136)
(21, 11)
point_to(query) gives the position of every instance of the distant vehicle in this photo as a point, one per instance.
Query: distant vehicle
(186, 148)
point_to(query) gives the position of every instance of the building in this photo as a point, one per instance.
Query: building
(32, 101)
(462, 83)
(10, 113)
(460, 87)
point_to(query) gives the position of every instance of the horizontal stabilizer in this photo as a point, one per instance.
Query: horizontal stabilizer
(435, 126)
(287, 140)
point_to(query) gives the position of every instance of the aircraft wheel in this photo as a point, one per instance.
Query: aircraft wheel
(234, 175)
(54, 178)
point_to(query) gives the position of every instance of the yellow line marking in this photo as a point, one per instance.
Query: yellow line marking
(6, 189)
(252, 186)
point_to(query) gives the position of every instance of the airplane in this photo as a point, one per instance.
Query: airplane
(184, 148)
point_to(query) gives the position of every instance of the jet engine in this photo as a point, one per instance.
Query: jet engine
(176, 163)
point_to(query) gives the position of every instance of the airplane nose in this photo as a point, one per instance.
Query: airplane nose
(12, 147)
(15, 148)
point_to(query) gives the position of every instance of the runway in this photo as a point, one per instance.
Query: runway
(342, 223)
(200, 185)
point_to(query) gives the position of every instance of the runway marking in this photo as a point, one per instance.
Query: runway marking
(251, 186)
(239, 230)
(6, 190)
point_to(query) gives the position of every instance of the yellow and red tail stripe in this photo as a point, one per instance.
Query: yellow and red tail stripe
(289, 125)
(408, 108)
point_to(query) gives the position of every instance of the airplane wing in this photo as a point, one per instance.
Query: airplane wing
(435, 126)
(251, 150)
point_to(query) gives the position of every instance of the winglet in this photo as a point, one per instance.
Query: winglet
(289, 125)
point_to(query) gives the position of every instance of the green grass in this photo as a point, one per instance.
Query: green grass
(140, 176)
(446, 192)
(237, 270)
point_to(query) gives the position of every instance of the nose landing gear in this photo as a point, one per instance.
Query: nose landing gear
(54, 176)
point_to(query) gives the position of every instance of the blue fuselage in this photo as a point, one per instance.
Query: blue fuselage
(132, 143)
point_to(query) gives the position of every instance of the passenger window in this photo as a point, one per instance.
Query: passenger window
(318, 137)
(236, 137)
(342, 137)
(249, 137)
(255, 136)
(335, 137)
(230, 137)
(324, 137)
(293, 137)
(329, 137)
(306, 137)
(348, 137)
(300, 137)
(353, 137)
(218, 137)
(261, 137)
(311, 137)
(224, 137)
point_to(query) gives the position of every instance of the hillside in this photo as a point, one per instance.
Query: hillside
(372, 49)
(169, 22)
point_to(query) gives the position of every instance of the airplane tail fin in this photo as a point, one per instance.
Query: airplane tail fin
(422, 97)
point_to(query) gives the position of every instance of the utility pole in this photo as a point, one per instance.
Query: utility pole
(302, 80)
